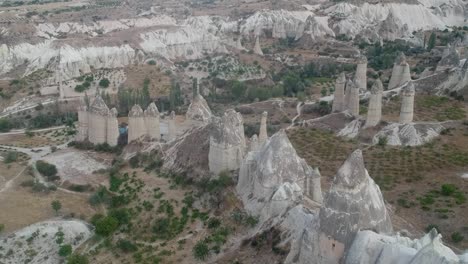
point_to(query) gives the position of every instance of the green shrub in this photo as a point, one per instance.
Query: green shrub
(65, 250)
(152, 62)
(457, 237)
(213, 223)
(106, 225)
(11, 156)
(126, 246)
(45, 168)
(201, 250)
(430, 227)
(77, 259)
(382, 141)
(448, 189)
(104, 83)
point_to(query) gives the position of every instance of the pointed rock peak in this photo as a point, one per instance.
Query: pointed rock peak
(377, 87)
(341, 78)
(257, 48)
(265, 114)
(350, 84)
(254, 138)
(113, 112)
(152, 110)
(136, 111)
(401, 59)
(232, 117)
(99, 106)
(352, 172)
(408, 89)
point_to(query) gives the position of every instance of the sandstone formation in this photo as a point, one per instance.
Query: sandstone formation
(413, 134)
(339, 95)
(152, 122)
(351, 129)
(352, 98)
(450, 59)
(257, 48)
(360, 77)
(374, 111)
(199, 110)
(407, 104)
(227, 142)
(171, 126)
(353, 203)
(112, 128)
(97, 121)
(136, 124)
(400, 73)
(457, 81)
(263, 135)
(274, 177)
(82, 133)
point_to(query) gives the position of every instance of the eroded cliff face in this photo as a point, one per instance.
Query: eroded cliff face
(199, 110)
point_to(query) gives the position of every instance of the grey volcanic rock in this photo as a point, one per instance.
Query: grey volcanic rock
(227, 142)
(457, 80)
(450, 59)
(393, 28)
(400, 73)
(413, 134)
(273, 178)
(338, 98)
(199, 110)
(353, 203)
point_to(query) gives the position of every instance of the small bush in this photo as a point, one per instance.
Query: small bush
(65, 250)
(126, 246)
(77, 259)
(201, 250)
(10, 157)
(382, 141)
(448, 189)
(430, 227)
(104, 83)
(152, 62)
(457, 237)
(46, 169)
(106, 225)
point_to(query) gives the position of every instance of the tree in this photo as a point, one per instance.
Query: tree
(5, 125)
(56, 205)
(432, 41)
(10, 157)
(106, 225)
(238, 89)
(77, 259)
(65, 250)
(104, 83)
(46, 169)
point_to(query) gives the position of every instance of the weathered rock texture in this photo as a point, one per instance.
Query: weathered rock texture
(339, 96)
(274, 177)
(172, 126)
(407, 103)
(253, 143)
(360, 77)
(263, 135)
(227, 142)
(152, 122)
(374, 111)
(413, 134)
(112, 128)
(199, 109)
(450, 59)
(352, 98)
(400, 73)
(257, 48)
(136, 124)
(82, 133)
(353, 203)
(97, 121)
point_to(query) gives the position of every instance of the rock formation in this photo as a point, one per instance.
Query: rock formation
(338, 98)
(112, 128)
(353, 203)
(253, 143)
(227, 142)
(274, 177)
(360, 77)
(413, 134)
(199, 109)
(450, 59)
(400, 73)
(82, 133)
(407, 104)
(352, 98)
(257, 49)
(152, 122)
(374, 112)
(263, 135)
(171, 127)
(97, 121)
(136, 124)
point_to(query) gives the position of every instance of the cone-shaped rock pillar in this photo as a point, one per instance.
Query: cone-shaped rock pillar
(263, 135)
(374, 112)
(339, 95)
(407, 104)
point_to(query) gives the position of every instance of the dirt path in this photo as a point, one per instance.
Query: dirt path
(9, 183)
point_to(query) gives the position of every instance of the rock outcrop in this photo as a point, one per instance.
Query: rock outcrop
(339, 96)
(407, 104)
(199, 109)
(171, 126)
(353, 203)
(97, 121)
(450, 59)
(352, 98)
(227, 142)
(374, 111)
(413, 134)
(112, 136)
(360, 77)
(152, 122)
(400, 73)
(263, 135)
(257, 48)
(82, 133)
(273, 178)
(136, 124)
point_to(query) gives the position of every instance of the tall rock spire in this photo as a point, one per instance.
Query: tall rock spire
(339, 100)
(400, 73)
(352, 98)
(136, 123)
(263, 135)
(97, 121)
(112, 128)
(374, 112)
(407, 103)
(257, 48)
(152, 121)
(171, 126)
(360, 77)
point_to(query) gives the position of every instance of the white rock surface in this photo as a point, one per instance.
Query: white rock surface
(400, 73)
(43, 247)
(339, 98)
(136, 124)
(199, 109)
(413, 134)
(374, 111)
(407, 103)
(152, 122)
